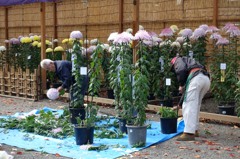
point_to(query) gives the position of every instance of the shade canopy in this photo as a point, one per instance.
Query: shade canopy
(16, 2)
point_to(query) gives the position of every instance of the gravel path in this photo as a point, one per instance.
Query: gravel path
(216, 141)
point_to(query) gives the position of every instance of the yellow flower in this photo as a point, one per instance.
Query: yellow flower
(39, 45)
(26, 40)
(59, 48)
(35, 43)
(70, 41)
(81, 42)
(49, 50)
(65, 41)
(174, 28)
(36, 38)
(180, 32)
(47, 42)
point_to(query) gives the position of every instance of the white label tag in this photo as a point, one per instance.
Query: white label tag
(29, 57)
(168, 81)
(83, 70)
(223, 66)
(161, 63)
(190, 54)
(130, 131)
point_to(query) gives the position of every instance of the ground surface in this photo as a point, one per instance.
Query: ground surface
(216, 141)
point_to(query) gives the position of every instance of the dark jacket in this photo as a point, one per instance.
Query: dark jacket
(182, 68)
(64, 73)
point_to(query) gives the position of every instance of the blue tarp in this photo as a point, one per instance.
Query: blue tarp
(16, 2)
(67, 147)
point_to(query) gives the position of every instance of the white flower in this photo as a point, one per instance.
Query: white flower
(129, 30)
(112, 36)
(176, 44)
(141, 27)
(94, 42)
(180, 39)
(2, 48)
(86, 41)
(52, 93)
(76, 35)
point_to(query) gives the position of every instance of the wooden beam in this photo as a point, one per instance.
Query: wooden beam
(121, 2)
(135, 26)
(215, 13)
(55, 31)
(43, 42)
(6, 23)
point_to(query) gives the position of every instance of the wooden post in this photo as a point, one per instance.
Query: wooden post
(55, 32)
(6, 26)
(135, 26)
(121, 15)
(43, 42)
(215, 13)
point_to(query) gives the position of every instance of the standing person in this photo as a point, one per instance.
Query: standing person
(194, 82)
(63, 70)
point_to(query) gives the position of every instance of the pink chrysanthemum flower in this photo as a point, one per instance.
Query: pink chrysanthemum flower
(91, 49)
(14, 41)
(204, 27)
(181, 40)
(227, 26)
(57, 130)
(124, 37)
(233, 31)
(222, 41)
(142, 35)
(215, 36)
(186, 33)
(212, 29)
(76, 35)
(52, 93)
(166, 32)
(112, 36)
(198, 33)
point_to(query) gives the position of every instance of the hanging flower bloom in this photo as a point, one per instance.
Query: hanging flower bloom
(198, 33)
(174, 28)
(212, 29)
(112, 36)
(204, 27)
(142, 35)
(94, 42)
(124, 37)
(181, 40)
(57, 130)
(48, 50)
(35, 43)
(76, 35)
(166, 32)
(58, 48)
(65, 41)
(2, 48)
(233, 31)
(52, 93)
(222, 41)
(215, 36)
(186, 33)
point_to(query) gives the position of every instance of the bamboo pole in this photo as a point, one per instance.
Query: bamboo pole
(43, 42)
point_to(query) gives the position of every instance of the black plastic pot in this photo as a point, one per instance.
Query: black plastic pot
(76, 112)
(168, 125)
(110, 94)
(226, 110)
(84, 135)
(166, 103)
(122, 125)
